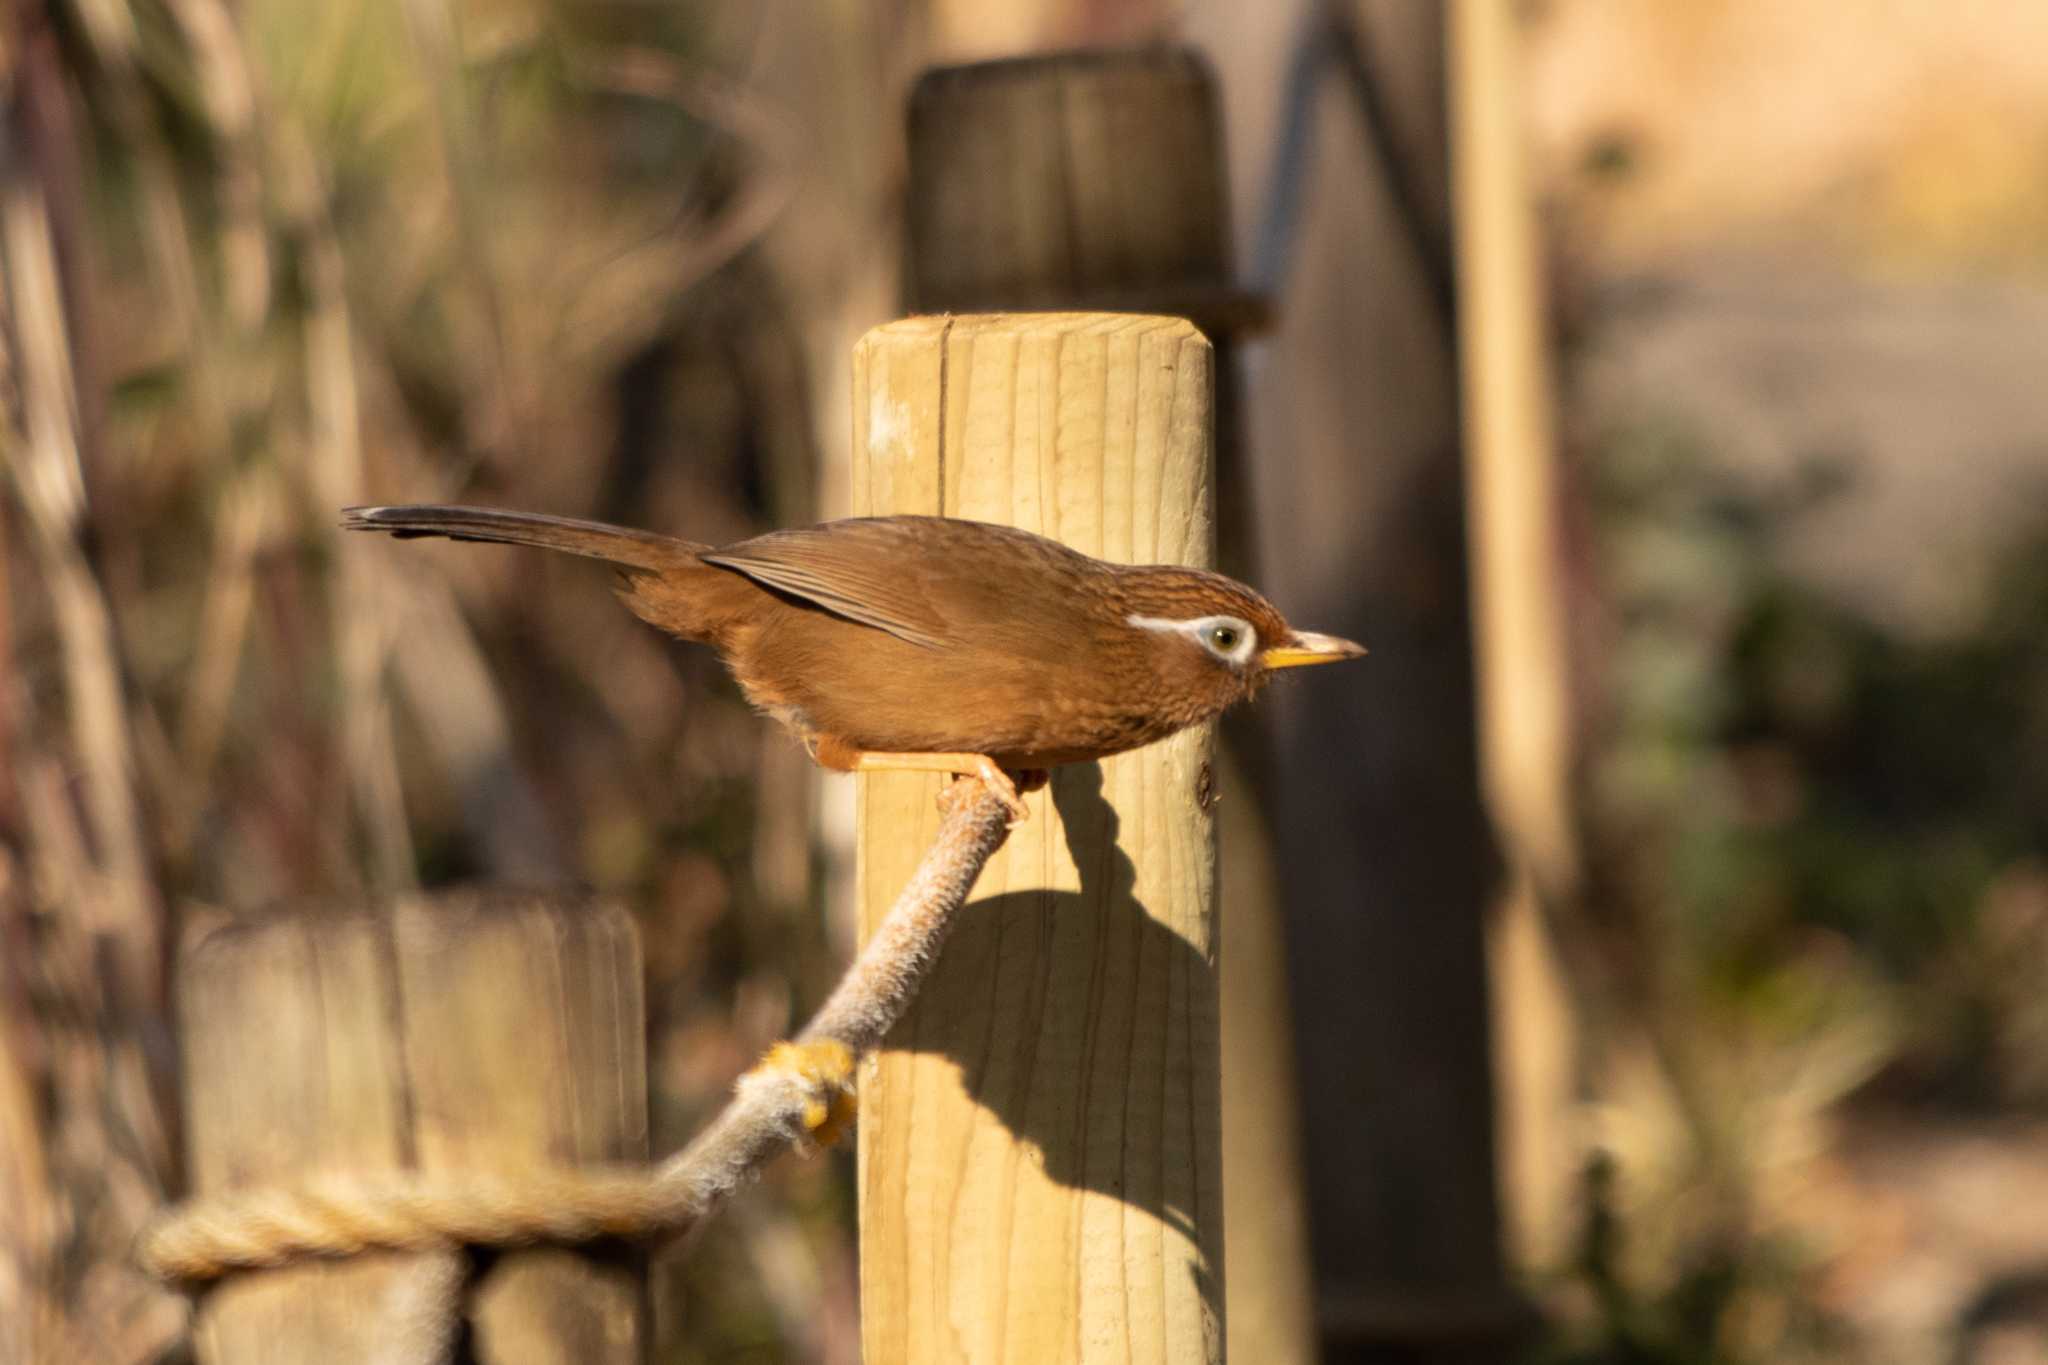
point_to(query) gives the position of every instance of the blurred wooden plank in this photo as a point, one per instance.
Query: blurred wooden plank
(469, 1033)
(524, 1045)
(1076, 180)
(1519, 595)
(1040, 1144)
(292, 1066)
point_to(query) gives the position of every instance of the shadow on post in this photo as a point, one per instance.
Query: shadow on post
(1034, 1029)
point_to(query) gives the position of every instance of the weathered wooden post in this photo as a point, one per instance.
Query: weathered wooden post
(457, 1034)
(1040, 1161)
(1096, 180)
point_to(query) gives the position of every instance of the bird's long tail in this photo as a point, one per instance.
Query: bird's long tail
(618, 545)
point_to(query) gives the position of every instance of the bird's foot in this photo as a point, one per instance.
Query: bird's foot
(979, 766)
(1001, 787)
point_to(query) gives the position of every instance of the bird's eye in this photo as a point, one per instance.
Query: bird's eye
(1230, 639)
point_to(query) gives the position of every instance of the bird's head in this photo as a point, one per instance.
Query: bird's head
(1215, 638)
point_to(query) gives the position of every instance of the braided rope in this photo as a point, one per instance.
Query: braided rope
(344, 1215)
(800, 1094)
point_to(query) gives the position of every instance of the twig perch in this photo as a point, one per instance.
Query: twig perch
(799, 1093)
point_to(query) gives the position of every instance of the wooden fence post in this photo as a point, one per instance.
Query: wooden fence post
(1096, 180)
(1040, 1149)
(1520, 596)
(464, 1033)
(1386, 864)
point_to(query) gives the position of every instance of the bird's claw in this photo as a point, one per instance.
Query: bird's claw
(1002, 789)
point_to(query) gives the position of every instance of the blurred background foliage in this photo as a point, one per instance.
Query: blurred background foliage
(306, 252)
(268, 258)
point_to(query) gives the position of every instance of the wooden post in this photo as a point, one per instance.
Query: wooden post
(1519, 594)
(1040, 1158)
(1083, 180)
(1096, 180)
(1385, 861)
(472, 1033)
(1039, 181)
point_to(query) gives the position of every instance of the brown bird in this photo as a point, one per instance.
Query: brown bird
(929, 643)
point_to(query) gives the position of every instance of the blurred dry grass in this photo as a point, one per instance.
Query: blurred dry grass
(268, 259)
(1800, 290)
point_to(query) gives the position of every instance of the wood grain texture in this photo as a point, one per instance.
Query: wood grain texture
(465, 1033)
(1040, 1143)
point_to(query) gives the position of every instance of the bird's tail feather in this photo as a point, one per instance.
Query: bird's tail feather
(594, 539)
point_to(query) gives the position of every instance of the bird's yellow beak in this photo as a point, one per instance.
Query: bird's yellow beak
(1306, 647)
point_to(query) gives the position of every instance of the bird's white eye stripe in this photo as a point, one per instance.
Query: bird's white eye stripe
(1229, 638)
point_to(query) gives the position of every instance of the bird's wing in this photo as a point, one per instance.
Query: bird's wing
(872, 570)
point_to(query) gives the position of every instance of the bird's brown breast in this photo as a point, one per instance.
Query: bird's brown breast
(1029, 694)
